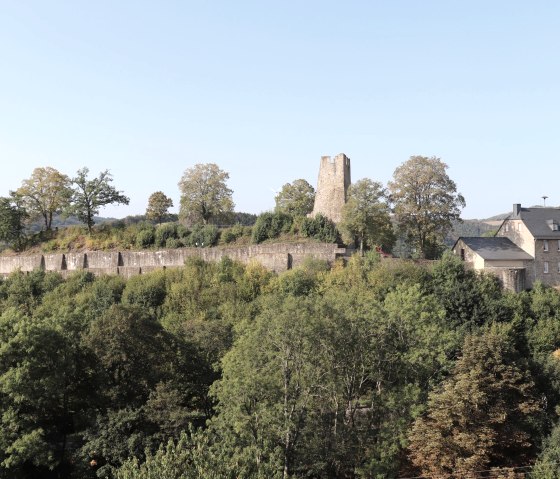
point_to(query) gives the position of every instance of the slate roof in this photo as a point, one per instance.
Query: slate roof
(496, 248)
(539, 221)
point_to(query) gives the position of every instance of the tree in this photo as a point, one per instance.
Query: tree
(45, 193)
(365, 215)
(485, 414)
(12, 216)
(158, 206)
(204, 193)
(90, 195)
(425, 201)
(295, 198)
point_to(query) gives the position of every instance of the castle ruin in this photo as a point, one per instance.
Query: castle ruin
(332, 187)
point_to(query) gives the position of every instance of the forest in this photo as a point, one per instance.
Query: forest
(370, 369)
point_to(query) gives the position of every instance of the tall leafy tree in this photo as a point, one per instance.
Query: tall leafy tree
(365, 215)
(12, 217)
(45, 193)
(295, 198)
(90, 195)
(158, 206)
(484, 415)
(204, 193)
(425, 201)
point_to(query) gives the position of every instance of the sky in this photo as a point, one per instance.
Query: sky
(148, 89)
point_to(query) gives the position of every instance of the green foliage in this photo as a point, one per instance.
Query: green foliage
(146, 291)
(145, 238)
(165, 232)
(12, 217)
(203, 236)
(320, 228)
(91, 195)
(295, 199)
(230, 235)
(204, 193)
(365, 216)
(45, 193)
(484, 415)
(270, 226)
(425, 202)
(158, 206)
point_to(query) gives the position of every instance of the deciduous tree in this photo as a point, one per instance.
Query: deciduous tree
(45, 193)
(425, 201)
(204, 193)
(158, 206)
(90, 195)
(296, 198)
(484, 414)
(12, 216)
(365, 215)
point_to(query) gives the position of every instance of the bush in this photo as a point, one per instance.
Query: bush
(320, 228)
(164, 232)
(173, 243)
(145, 238)
(271, 225)
(230, 235)
(203, 236)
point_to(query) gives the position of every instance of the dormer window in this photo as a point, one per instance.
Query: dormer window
(553, 225)
(545, 245)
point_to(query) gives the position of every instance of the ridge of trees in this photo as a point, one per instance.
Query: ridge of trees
(369, 369)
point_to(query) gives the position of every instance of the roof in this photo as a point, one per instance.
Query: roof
(496, 248)
(541, 221)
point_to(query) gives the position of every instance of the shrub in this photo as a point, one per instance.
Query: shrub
(203, 236)
(320, 228)
(145, 238)
(230, 235)
(173, 243)
(164, 232)
(271, 225)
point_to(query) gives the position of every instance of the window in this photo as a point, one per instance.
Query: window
(463, 254)
(558, 245)
(559, 266)
(545, 245)
(519, 226)
(507, 227)
(545, 267)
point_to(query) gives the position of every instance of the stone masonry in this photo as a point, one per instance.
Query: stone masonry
(332, 187)
(276, 257)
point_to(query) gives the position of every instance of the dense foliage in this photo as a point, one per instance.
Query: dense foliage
(373, 369)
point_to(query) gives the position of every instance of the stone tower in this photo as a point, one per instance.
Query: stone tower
(332, 186)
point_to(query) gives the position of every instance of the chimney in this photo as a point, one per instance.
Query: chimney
(516, 209)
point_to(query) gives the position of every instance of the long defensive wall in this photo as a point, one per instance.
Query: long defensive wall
(275, 257)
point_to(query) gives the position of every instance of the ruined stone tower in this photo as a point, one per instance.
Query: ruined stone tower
(332, 186)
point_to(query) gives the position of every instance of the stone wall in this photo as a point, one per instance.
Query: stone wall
(332, 187)
(276, 257)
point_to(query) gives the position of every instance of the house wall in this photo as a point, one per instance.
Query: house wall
(472, 259)
(518, 233)
(552, 257)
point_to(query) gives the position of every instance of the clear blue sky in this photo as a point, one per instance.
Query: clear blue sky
(147, 89)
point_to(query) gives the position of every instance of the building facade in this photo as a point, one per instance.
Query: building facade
(526, 248)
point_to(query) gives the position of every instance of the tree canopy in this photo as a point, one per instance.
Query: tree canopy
(89, 195)
(365, 216)
(425, 201)
(204, 193)
(296, 198)
(158, 206)
(45, 193)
